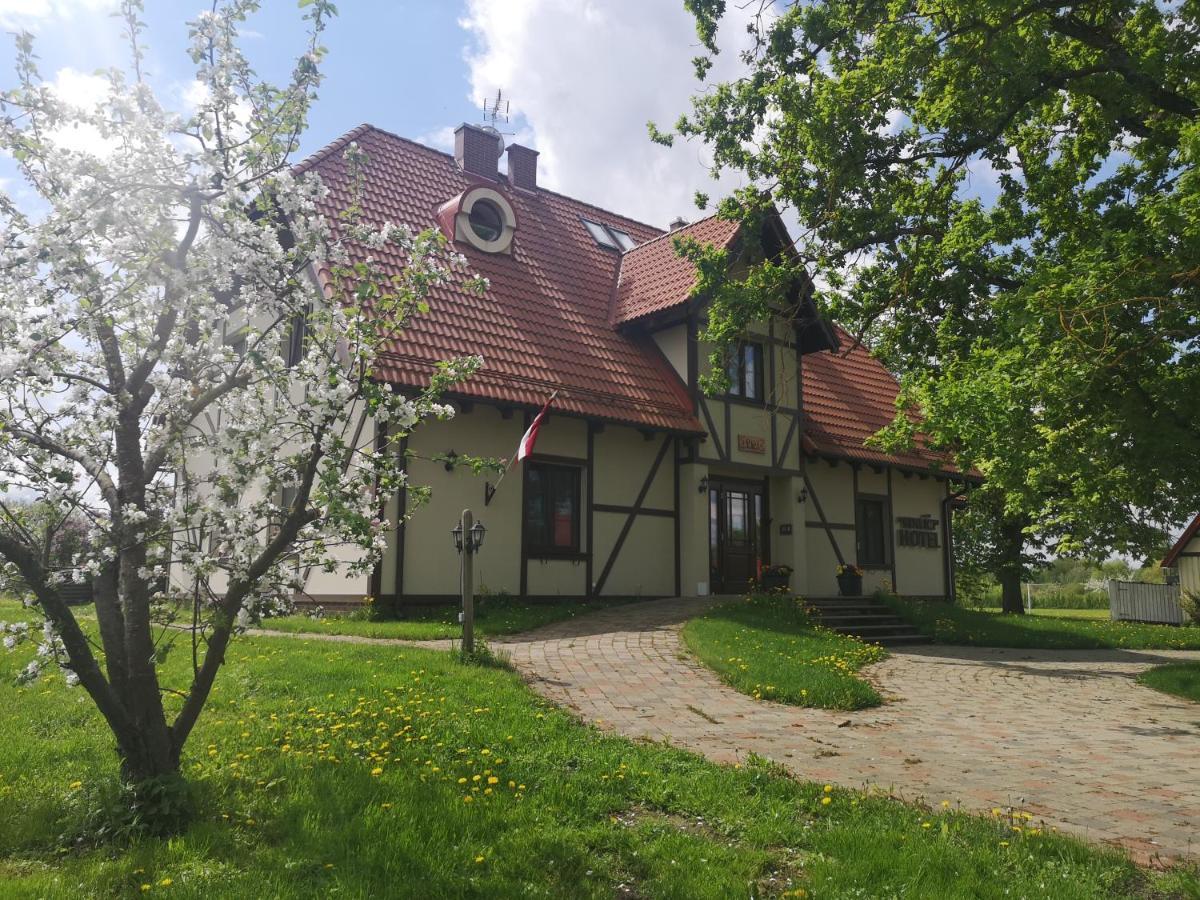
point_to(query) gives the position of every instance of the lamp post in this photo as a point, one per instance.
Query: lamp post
(468, 538)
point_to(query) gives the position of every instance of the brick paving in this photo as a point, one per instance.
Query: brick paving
(1066, 735)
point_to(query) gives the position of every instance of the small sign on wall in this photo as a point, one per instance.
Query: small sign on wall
(918, 531)
(785, 529)
(752, 443)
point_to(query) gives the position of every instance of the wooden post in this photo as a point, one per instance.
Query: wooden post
(468, 584)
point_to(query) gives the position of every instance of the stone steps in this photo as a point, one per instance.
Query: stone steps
(866, 618)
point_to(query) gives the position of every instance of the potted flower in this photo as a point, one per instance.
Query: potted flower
(849, 579)
(774, 578)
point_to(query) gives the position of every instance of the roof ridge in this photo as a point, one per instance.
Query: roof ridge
(315, 157)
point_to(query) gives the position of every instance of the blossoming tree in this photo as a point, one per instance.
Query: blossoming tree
(171, 369)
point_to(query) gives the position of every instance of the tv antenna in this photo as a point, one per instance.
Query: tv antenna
(495, 111)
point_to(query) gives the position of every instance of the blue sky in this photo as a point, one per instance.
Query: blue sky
(399, 64)
(584, 77)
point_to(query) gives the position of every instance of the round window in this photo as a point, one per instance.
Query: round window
(486, 220)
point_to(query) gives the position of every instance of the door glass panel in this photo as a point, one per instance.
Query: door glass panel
(738, 517)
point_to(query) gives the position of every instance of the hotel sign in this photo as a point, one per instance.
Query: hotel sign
(917, 531)
(752, 443)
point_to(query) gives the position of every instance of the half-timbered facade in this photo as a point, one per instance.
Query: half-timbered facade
(639, 483)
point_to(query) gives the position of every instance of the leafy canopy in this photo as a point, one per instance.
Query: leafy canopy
(1002, 199)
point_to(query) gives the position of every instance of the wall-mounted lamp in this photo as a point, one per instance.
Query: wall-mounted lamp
(802, 496)
(704, 485)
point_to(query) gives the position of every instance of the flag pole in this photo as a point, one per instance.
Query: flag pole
(489, 489)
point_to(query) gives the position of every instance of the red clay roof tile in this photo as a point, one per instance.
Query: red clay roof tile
(848, 396)
(654, 277)
(543, 324)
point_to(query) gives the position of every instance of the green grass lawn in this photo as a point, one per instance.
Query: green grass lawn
(493, 616)
(1099, 615)
(1180, 679)
(768, 648)
(327, 770)
(1058, 629)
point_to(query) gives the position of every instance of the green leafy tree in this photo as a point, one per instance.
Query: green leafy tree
(1001, 199)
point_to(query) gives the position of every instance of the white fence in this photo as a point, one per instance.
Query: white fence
(1133, 601)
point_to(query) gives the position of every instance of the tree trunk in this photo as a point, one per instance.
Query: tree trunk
(145, 758)
(1012, 542)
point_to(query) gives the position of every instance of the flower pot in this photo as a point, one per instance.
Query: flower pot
(772, 582)
(849, 584)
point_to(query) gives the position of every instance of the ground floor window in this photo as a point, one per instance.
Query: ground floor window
(551, 509)
(872, 521)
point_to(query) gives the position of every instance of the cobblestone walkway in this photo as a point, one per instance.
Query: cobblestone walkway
(1066, 735)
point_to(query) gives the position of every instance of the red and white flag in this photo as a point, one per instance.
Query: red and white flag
(529, 438)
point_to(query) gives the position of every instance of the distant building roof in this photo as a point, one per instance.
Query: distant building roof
(1180, 545)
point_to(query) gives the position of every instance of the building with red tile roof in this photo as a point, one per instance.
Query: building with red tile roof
(639, 483)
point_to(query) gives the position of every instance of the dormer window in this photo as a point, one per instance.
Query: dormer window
(608, 236)
(486, 220)
(481, 217)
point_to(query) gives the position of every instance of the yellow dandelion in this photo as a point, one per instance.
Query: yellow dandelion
(825, 801)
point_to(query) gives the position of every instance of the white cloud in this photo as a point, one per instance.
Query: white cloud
(584, 77)
(86, 91)
(439, 138)
(30, 13)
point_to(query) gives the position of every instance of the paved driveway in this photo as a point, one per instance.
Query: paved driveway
(1066, 735)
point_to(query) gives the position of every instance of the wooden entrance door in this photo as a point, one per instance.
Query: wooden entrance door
(736, 519)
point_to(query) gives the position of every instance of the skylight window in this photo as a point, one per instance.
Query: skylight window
(607, 236)
(601, 235)
(626, 242)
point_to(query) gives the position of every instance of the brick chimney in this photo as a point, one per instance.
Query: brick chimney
(522, 167)
(477, 150)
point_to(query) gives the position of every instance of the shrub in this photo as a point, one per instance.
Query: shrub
(1189, 602)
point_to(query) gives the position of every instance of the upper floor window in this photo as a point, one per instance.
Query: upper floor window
(745, 370)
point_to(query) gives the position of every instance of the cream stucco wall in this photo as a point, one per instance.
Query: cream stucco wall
(770, 421)
(430, 561)
(673, 343)
(1189, 568)
(623, 458)
(919, 571)
(693, 525)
